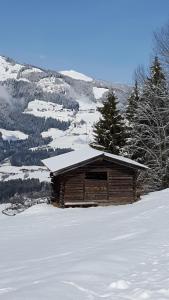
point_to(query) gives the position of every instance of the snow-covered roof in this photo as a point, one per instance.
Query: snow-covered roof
(63, 162)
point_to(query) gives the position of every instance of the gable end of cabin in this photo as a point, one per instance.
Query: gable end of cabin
(99, 182)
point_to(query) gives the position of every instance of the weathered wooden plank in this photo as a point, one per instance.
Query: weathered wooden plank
(125, 193)
(73, 198)
(116, 183)
(121, 178)
(75, 183)
(96, 185)
(96, 197)
(73, 195)
(116, 177)
(120, 198)
(74, 192)
(122, 192)
(80, 204)
(120, 188)
(73, 189)
(94, 189)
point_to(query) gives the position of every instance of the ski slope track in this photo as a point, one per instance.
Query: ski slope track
(115, 252)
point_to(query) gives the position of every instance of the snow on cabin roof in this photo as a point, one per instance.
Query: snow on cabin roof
(65, 161)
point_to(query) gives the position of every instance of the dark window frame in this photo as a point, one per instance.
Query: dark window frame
(96, 175)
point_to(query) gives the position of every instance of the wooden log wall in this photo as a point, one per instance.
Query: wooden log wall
(119, 188)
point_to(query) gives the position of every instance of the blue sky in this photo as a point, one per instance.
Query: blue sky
(105, 39)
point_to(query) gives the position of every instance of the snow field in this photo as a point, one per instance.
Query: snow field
(80, 130)
(52, 84)
(11, 70)
(13, 135)
(76, 136)
(31, 70)
(44, 109)
(8, 70)
(8, 172)
(98, 92)
(76, 75)
(112, 253)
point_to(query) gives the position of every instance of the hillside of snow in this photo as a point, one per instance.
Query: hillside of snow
(38, 103)
(13, 135)
(8, 172)
(76, 75)
(49, 94)
(112, 253)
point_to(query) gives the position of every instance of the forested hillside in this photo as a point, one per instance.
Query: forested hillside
(45, 113)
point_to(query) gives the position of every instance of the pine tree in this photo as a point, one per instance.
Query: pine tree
(132, 104)
(131, 118)
(110, 130)
(150, 131)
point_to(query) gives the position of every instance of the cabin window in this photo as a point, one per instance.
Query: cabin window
(96, 175)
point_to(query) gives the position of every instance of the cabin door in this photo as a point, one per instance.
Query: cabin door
(96, 187)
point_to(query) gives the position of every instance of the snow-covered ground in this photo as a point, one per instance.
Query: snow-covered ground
(76, 75)
(66, 139)
(112, 253)
(98, 92)
(80, 131)
(8, 70)
(8, 172)
(45, 109)
(31, 70)
(79, 134)
(13, 135)
(52, 84)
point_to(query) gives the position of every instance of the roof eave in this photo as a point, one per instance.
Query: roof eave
(102, 155)
(127, 164)
(75, 166)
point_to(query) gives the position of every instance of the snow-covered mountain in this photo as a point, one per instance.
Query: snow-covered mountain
(60, 106)
(65, 96)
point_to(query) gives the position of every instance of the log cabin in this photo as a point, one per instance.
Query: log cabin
(89, 177)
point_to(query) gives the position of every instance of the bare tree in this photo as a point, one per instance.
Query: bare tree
(140, 75)
(161, 38)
